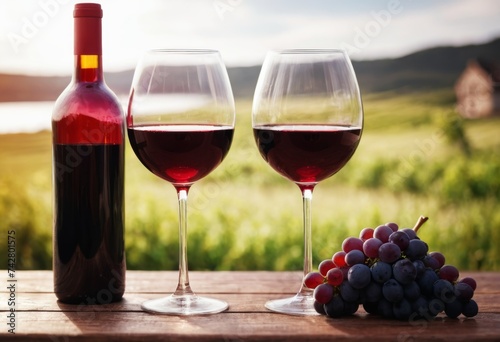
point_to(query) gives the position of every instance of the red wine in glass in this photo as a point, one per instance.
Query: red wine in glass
(306, 154)
(181, 154)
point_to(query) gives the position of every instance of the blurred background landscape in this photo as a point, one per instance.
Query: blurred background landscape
(430, 78)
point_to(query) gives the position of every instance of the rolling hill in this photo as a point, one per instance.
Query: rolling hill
(429, 69)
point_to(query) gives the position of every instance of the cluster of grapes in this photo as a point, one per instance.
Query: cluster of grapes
(391, 273)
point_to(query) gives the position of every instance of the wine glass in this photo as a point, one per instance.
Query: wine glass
(180, 125)
(307, 119)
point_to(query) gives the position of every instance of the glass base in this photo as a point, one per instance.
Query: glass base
(300, 305)
(184, 305)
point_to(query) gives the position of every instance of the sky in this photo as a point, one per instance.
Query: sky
(36, 36)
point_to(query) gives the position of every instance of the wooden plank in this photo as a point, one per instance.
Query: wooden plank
(238, 302)
(133, 326)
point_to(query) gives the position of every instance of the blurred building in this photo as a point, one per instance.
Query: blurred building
(478, 89)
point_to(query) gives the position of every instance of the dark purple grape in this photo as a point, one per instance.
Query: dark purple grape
(359, 276)
(421, 307)
(348, 293)
(382, 233)
(470, 308)
(420, 266)
(389, 252)
(393, 226)
(426, 282)
(352, 243)
(444, 290)
(417, 249)
(381, 272)
(335, 307)
(449, 273)
(463, 291)
(371, 246)
(470, 281)
(354, 257)
(411, 291)
(454, 308)
(319, 308)
(392, 291)
(439, 257)
(404, 271)
(436, 306)
(401, 239)
(323, 293)
(431, 262)
(373, 292)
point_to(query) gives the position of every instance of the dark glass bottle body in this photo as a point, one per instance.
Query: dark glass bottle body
(88, 184)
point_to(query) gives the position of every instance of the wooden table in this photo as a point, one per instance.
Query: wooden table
(39, 317)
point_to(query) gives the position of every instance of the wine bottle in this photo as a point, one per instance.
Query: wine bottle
(88, 176)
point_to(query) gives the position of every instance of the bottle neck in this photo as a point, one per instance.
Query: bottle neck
(88, 68)
(88, 45)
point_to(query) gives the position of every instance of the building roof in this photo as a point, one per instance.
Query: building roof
(491, 68)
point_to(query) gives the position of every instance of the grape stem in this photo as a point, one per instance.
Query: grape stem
(420, 222)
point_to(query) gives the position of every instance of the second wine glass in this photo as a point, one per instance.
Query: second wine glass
(307, 119)
(180, 122)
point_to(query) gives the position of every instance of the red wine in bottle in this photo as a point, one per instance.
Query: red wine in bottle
(88, 176)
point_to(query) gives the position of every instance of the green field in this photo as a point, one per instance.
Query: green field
(416, 157)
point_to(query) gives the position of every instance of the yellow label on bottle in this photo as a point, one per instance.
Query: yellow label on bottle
(89, 61)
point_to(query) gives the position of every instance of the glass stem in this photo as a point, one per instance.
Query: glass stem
(306, 201)
(183, 287)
